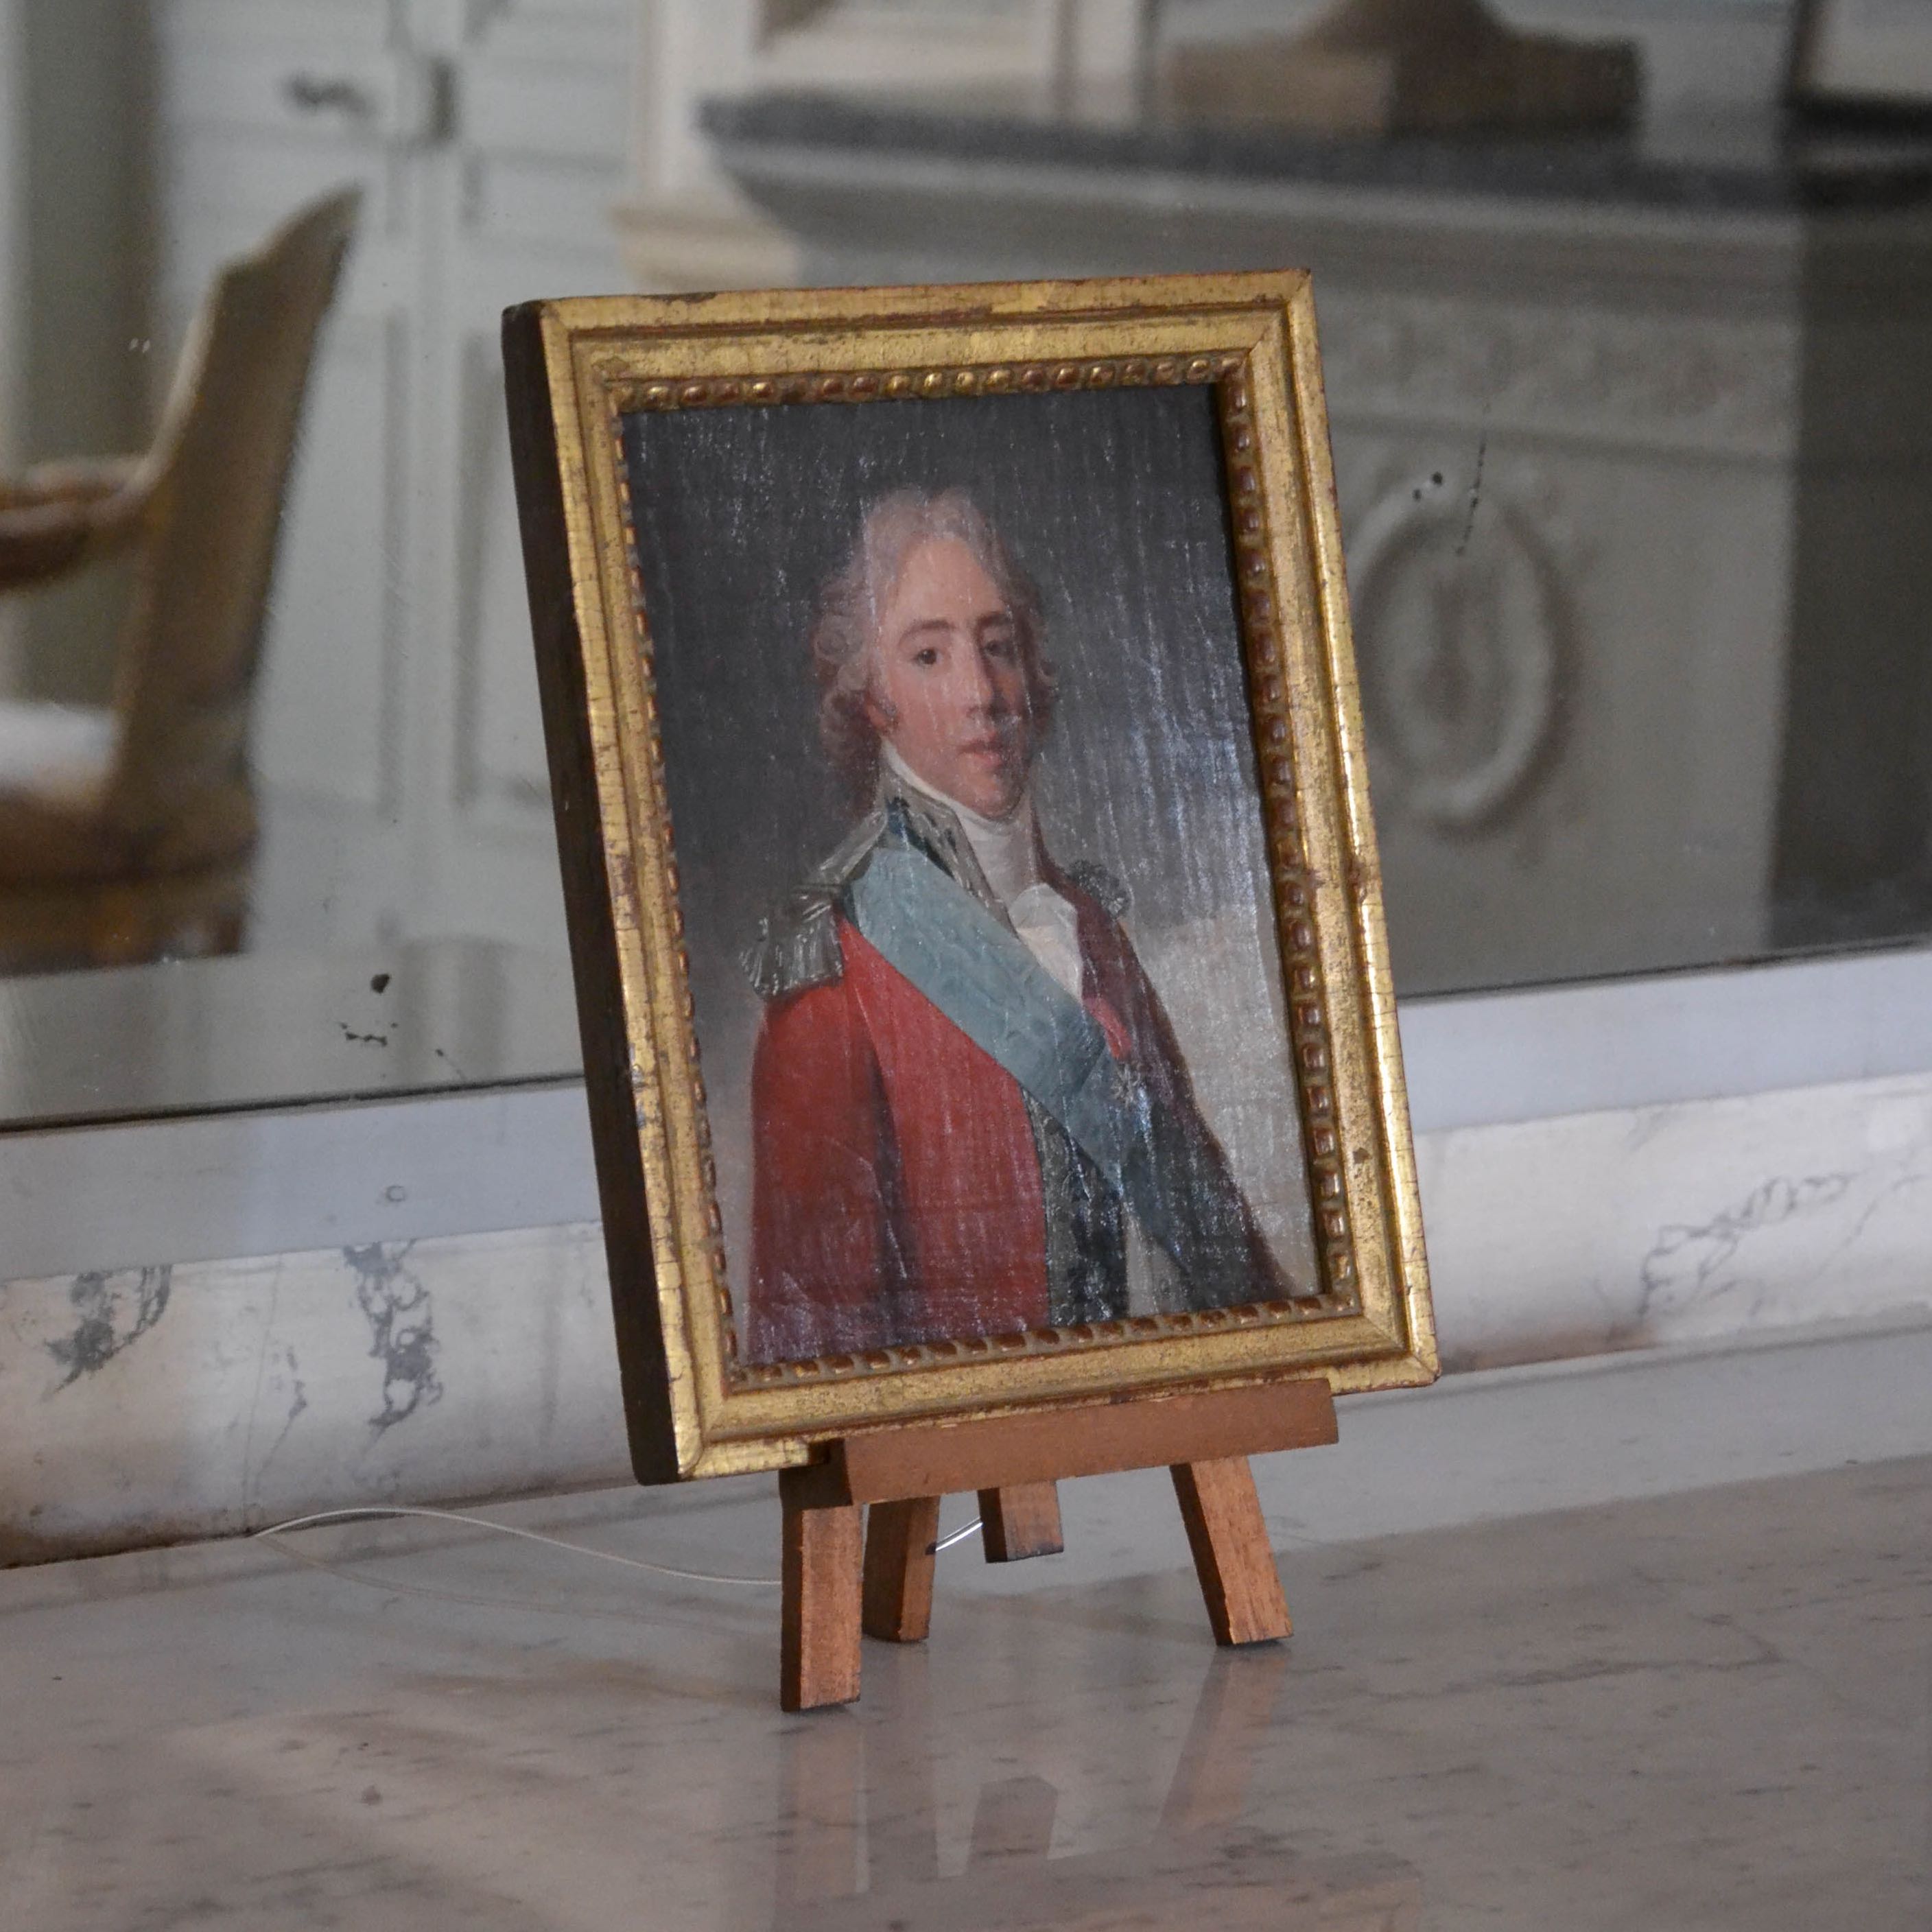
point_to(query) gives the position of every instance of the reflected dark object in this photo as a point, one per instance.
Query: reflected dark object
(861, 1852)
(1761, 175)
(1860, 62)
(1854, 812)
(1634, 445)
(126, 834)
(1389, 67)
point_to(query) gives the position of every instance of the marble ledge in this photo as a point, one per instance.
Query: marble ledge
(148, 1405)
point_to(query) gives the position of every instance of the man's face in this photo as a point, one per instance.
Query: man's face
(949, 691)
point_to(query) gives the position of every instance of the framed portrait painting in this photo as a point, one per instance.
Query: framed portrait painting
(974, 907)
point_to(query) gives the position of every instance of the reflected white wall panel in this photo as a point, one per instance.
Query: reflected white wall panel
(502, 772)
(328, 711)
(398, 739)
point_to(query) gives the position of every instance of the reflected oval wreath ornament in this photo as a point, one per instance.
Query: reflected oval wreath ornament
(1459, 646)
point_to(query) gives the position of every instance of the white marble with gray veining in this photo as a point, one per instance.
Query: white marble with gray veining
(1634, 1226)
(142, 1404)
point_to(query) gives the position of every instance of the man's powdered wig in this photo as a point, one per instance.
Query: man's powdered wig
(850, 600)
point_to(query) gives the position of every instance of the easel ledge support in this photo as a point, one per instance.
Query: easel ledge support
(837, 1581)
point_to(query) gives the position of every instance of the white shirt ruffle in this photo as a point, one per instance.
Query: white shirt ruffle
(1008, 850)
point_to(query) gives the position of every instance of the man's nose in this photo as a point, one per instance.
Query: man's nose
(980, 690)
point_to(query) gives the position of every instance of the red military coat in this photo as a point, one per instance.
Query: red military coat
(897, 1195)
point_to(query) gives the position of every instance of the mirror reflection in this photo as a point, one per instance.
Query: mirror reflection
(1627, 314)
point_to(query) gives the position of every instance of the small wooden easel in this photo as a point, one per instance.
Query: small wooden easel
(1014, 1461)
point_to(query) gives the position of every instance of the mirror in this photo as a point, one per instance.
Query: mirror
(1633, 421)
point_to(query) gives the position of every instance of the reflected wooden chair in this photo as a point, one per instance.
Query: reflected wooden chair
(127, 832)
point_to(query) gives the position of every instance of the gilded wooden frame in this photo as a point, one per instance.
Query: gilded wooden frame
(575, 368)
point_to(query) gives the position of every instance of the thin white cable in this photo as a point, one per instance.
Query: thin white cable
(390, 1587)
(373, 1512)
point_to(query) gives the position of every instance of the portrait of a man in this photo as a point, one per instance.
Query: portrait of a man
(967, 1100)
(971, 890)
(981, 947)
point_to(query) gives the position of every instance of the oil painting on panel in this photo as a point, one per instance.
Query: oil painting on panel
(961, 779)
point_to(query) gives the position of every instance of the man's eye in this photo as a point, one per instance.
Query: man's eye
(926, 655)
(999, 647)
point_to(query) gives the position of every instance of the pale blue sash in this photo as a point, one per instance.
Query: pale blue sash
(980, 976)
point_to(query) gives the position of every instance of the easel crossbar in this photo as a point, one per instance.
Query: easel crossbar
(998, 1452)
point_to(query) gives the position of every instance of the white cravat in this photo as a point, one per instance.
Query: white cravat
(1008, 850)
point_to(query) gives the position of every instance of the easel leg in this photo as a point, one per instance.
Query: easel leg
(1020, 1521)
(899, 1538)
(1232, 1556)
(818, 1652)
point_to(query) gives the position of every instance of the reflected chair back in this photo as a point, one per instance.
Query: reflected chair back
(180, 790)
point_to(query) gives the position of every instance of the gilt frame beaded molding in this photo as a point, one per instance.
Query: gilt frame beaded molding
(576, 369)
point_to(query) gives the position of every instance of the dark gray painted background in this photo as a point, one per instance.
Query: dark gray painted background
(1114, 502)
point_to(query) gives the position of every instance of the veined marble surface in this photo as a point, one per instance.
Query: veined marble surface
(148, 1404)
(1703, 1711)
(144, 1405)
